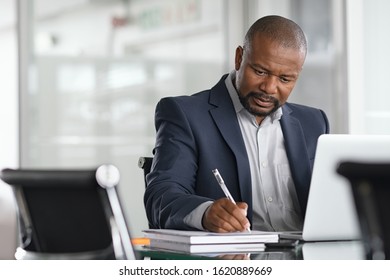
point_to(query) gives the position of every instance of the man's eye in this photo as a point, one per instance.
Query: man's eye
(284, 80)
(261, 73)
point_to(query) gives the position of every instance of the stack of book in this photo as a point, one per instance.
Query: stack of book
(209, 242)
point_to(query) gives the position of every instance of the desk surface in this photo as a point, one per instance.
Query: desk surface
(336, 250)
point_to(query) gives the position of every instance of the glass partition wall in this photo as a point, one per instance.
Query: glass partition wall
(92, 71)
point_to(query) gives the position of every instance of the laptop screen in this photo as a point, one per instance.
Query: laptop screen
(331, 213)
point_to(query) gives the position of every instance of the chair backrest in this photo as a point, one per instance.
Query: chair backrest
(70, 213)
(370, 184)
(145, 163)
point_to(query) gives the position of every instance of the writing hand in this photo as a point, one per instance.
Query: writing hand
(225, 216)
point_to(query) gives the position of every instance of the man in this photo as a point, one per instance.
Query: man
(263, 146)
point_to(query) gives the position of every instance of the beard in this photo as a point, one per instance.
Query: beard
(255, 110)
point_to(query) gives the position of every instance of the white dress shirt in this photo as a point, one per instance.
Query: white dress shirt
(275, 202)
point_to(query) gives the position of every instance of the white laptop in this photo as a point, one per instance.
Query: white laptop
(331, 213)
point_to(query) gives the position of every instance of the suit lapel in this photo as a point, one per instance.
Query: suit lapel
(225, 118)
(298, 157)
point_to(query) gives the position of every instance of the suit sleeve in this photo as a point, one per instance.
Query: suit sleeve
(326, 122)
(170, 193)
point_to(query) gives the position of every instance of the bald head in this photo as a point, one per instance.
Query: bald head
(279, 29)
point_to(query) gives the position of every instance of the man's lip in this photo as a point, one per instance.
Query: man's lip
(263, 103)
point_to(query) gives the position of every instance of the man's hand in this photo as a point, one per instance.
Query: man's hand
(225, 216)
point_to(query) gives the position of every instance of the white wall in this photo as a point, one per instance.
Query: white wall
(93, 88)
(8, 92)
(368, 62)
(8, 124)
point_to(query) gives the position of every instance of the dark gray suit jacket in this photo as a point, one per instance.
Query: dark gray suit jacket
(198, 133)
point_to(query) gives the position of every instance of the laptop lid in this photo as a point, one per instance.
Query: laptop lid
(331, 213)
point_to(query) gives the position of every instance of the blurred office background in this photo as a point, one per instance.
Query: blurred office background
(79, 79)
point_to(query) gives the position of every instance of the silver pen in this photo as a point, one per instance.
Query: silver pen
(225, 190)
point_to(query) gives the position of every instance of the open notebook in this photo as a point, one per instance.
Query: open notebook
(331, 213)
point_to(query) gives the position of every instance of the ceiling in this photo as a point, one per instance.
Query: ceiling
(44, 8)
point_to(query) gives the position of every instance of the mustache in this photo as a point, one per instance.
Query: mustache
(263, 96)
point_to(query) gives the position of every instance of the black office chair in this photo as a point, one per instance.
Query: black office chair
(145, 163)
(69, 214)
(371, 189)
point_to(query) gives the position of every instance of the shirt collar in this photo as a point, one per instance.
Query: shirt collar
(275, 116)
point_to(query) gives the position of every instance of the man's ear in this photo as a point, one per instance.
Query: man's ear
(238, 58)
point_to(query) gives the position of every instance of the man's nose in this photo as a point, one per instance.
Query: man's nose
(269, 84)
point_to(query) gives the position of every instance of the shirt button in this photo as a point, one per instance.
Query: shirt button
(269, 199)
(264, 164)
